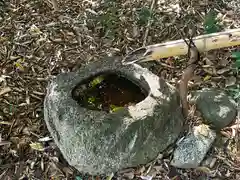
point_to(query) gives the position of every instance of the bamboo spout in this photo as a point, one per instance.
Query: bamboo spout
(179, 47)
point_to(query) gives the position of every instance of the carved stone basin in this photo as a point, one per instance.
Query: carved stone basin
(107, 116)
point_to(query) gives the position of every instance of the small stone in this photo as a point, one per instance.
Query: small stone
(217, 109)
(192, 149)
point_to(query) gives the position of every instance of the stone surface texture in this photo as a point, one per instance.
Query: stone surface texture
(192, 149)
(217, 109)
(97, 142)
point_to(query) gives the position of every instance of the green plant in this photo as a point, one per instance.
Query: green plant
(109, 19)
(91, 100)
(211, 23)
(114, 108)
(144, 15)
(96, 81)
(236, 55)
(234, 92)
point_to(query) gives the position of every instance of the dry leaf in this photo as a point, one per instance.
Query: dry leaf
(4, 143)
(224, 70)
(44, 139)
(213, 162)
(207, 78)
(37, 146)
(146, 177)
(230, 81)
(5, 90)
(34, 30)
(129, 175)
(203, 169)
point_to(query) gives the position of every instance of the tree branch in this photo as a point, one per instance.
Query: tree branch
(194, 57)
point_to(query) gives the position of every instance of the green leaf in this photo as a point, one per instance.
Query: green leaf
(143, 15)
(91, 100)
(37, 146)
(78, 178)
(115, 108)
(211, 23)
(237, 63)
(236, 55)
(96, 81)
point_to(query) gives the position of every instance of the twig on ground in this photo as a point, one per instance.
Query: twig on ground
(148, 25)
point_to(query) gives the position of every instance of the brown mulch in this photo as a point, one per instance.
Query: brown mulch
(37, 43)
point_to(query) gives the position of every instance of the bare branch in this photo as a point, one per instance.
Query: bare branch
(194, 57)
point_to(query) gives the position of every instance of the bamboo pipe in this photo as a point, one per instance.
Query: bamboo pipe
(179, 47)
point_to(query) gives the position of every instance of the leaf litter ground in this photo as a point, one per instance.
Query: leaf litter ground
(37, 43)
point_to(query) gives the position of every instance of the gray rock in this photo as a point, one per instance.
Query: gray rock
(98, 142)
(192, 149)
(217, 109)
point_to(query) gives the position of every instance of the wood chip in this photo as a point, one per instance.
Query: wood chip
(5, 91)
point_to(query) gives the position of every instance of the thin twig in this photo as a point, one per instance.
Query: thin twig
(148, 25)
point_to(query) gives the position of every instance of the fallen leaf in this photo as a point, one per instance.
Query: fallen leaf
(110, 176)
(44, 139)
(213, 162)
(2, 39)
(78, 178)
(159, 168)
(5, 90)
(140, 170)
(5, 123)
(223, 70)
(37, 146)
(223, 61)
(208, 61)
(146, 177)
(34, 30)
(19, 64)
(129, 175)
(67, 170)
(207, 78)
(203, 169)
(230, 81)
(3, 143)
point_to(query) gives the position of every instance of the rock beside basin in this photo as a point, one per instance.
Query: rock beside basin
(97, 142)
(217, 109)
(192, 149)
